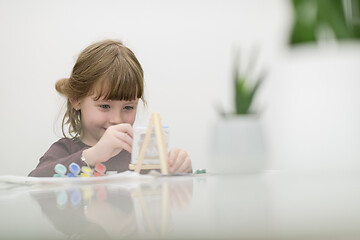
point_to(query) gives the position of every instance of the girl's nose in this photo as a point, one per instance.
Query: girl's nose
(115, 118)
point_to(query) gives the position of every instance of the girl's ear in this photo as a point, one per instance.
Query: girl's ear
(75, 104)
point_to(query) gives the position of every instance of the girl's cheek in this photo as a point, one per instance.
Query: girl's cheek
(131, 119)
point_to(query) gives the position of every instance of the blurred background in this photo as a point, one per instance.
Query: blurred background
(309, 103)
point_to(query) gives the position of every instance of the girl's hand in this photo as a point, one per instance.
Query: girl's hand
(115, 139)
(179, 161)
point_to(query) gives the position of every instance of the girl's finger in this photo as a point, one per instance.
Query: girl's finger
(126, 147)
(185, 166)
(172, 156)
(124, 141)
(125, 128)
(180, 158)
(124, 137)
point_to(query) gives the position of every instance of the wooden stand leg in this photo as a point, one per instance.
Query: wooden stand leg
(144, 146)
(161, 144)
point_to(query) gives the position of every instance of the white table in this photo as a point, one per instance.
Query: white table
(271, 205)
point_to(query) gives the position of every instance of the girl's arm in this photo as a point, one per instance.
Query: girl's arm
(59, 152)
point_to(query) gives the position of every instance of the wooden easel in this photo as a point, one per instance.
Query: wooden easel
(155, 123)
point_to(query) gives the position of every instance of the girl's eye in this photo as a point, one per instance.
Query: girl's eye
(105, 106)
(128, 108)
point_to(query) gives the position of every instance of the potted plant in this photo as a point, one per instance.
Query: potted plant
(237, 141)
(318, 69)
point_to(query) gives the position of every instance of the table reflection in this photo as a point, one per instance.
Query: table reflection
(115, 211)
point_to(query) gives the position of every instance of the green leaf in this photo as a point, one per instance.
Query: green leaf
(314, 17)
(243, 92)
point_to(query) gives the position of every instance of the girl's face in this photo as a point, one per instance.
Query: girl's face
(98, 115)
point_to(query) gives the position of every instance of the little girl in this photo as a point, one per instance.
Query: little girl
(102, 97)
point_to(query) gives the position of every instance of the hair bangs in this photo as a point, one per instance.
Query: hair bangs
(120, 83)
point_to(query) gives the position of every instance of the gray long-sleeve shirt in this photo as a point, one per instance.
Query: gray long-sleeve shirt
(67, 151)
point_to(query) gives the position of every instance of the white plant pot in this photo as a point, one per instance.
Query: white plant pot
(237, 146)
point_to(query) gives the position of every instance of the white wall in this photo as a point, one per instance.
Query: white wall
(186, 48)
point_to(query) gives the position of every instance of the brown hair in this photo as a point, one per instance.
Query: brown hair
(107, 69)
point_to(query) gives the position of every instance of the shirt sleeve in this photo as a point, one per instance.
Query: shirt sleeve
(59, 152)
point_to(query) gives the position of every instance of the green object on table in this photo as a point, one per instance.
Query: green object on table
(199, 171)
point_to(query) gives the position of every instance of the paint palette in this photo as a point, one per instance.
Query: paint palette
(76, 171)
